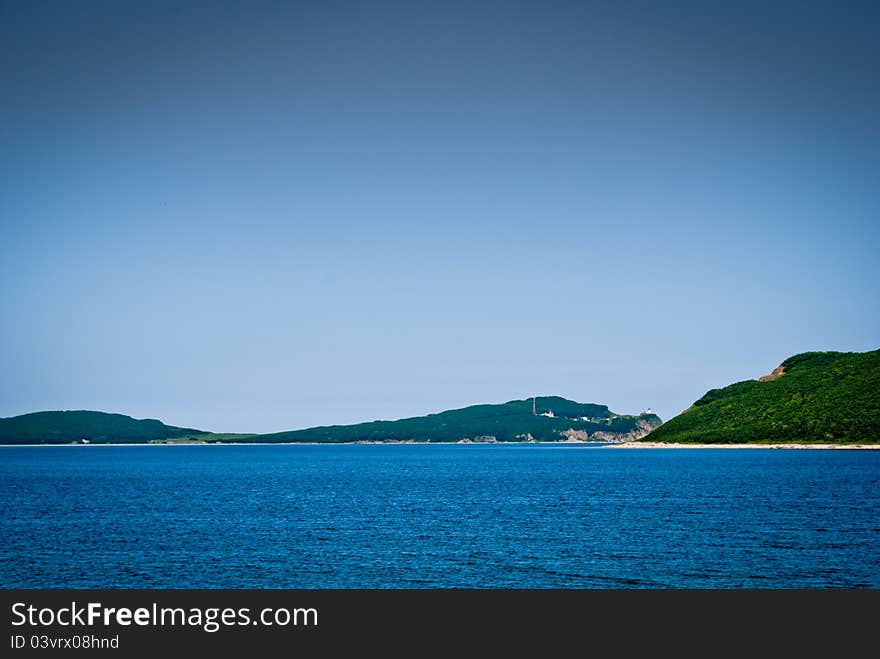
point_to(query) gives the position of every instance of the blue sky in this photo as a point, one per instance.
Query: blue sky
(274, 215)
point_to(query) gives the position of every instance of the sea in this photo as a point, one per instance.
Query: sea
(437, 516)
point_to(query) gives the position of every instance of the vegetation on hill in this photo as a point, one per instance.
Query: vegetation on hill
(95, 427)
(513, 421)
(819, 397)
(507, 422)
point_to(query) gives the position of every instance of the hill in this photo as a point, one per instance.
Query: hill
(96, 427)
(814, 397)
(509, 422)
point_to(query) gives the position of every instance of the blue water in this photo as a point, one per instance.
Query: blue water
(503, 516)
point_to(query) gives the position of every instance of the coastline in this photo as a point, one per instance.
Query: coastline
(662, 445)
(567, 442)
(611, 445)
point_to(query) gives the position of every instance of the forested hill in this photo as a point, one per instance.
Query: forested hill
(554, 419)
(814, 397)
(94, 427)
(509, 422)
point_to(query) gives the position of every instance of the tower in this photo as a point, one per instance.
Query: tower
(534, 409)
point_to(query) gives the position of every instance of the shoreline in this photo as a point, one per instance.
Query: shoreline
(567, 442)
(607, 445)
(665, 445)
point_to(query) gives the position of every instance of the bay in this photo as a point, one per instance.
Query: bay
(437, 516)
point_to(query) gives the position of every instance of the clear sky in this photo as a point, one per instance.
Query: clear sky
(263, 216)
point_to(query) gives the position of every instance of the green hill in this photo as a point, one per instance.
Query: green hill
(96, 427)
(814, 397)
(507, 422)
(511, 421)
